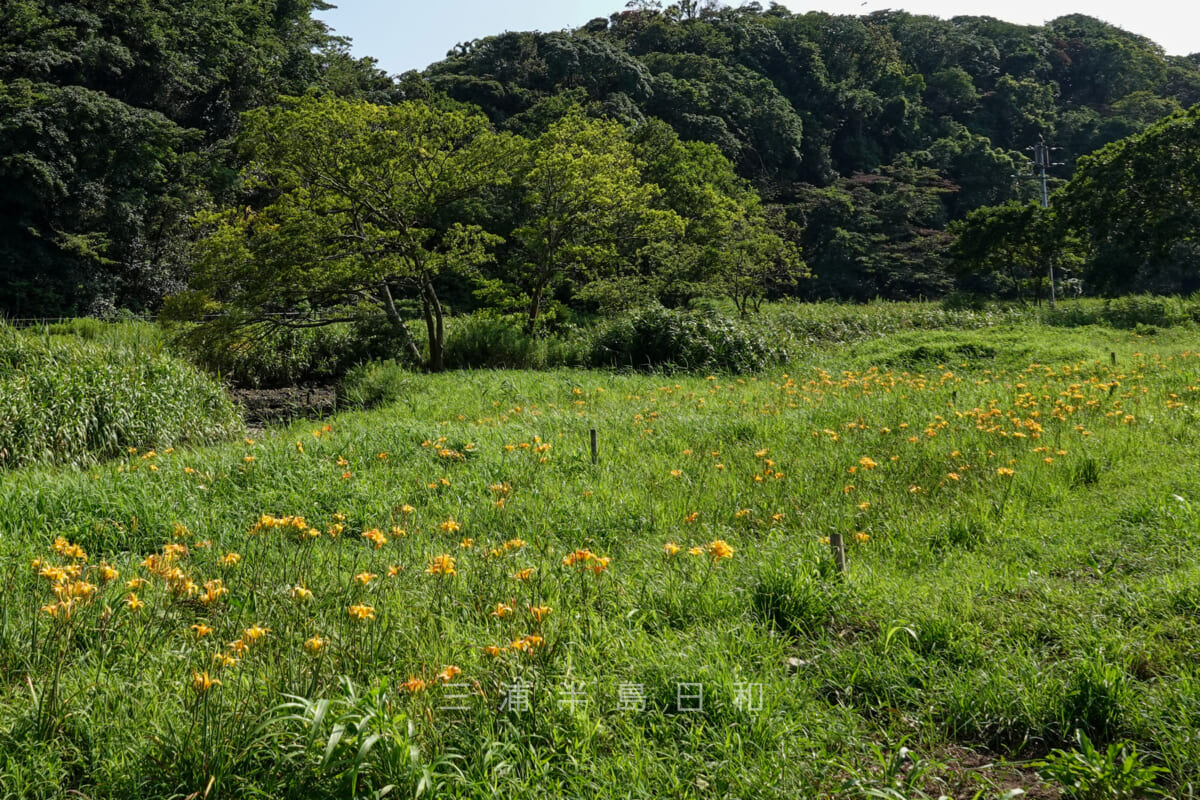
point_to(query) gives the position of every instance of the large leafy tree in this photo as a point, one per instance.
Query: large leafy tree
(877, 234)
(1011, 248)
(114, 118)
(583, 208)
(92, 193)
(1136, 204)
(732, 245)
(361, 205)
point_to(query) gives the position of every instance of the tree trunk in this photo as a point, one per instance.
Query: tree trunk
(535, 308)
(434, 326)
(406, 338)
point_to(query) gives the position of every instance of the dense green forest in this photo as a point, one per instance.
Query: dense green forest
(663, 153)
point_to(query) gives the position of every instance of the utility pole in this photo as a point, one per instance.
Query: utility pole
(1042, 162)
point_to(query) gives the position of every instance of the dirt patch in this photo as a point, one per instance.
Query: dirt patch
(967, 771)
(264, 407)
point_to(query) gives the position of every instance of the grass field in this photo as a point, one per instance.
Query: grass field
(447, 597)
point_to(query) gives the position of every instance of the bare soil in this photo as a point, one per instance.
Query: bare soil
(264, 407)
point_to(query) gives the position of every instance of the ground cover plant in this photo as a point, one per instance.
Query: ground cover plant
(448, 596)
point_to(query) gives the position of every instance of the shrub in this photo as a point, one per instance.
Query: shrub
(280, 357)
(487, 341)
(796, 602)
(656, 337)
(1087, 773)
(66, 400)
(379, 383)
(1096, 700)
(1134, 310)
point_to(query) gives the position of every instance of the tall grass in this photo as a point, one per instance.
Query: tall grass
(84, 392)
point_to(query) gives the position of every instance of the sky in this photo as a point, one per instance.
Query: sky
(404, 35)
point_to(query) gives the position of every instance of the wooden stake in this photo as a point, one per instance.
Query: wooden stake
(595, 449)
(839, 551)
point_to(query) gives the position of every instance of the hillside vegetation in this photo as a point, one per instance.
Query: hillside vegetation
(831, 152)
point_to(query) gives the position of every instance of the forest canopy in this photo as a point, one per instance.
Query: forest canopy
(748, 152)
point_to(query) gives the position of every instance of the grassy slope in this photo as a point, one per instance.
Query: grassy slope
(983, 614)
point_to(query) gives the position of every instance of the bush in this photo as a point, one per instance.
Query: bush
(67, 400)
(796, 602)
(486, 341)
(376, 384)
(656, 337)
(1096, 702)
(1134, 310)
(280, 357)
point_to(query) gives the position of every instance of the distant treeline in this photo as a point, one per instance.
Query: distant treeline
(883, 155)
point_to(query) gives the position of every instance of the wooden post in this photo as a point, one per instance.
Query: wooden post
(595, 449)
(839, 551)
(1114, 357)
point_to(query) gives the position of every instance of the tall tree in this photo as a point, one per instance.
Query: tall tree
(1136, 204)
(92, 197)
(114, 122)
(1010, 249)
(363, 204)
(583, 205)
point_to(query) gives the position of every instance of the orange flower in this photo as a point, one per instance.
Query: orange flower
(441, 565)
(449, 673)
(571, 559)
(375, 536)
(670, 548)
(413, 685)
(362, 612)
(202, 682)
(524, 574)
(719, 549)
(539, 612)
(254, 633)
(213, 591)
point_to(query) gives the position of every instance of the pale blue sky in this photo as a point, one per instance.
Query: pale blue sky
(411, 35)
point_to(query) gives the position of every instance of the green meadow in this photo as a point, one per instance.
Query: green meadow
(449, 594)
